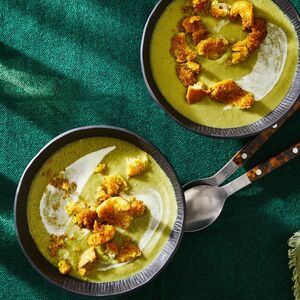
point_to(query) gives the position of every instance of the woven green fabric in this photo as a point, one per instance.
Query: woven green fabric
(68, 63)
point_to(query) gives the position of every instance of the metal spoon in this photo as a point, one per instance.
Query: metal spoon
(204, 203)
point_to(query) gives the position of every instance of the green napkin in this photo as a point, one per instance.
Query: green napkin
(72, 63)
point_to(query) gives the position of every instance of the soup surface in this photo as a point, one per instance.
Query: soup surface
(74, 174)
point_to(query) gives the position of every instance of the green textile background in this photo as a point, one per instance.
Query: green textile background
(68, 63)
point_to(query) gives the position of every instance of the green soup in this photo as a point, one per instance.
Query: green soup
(254, 71)
(150, 231)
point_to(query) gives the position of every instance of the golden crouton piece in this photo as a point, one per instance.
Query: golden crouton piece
(242, 49)
(128, 251)
(112, 250)
(187, 72)
(228, 92)
(86, 260)
(101, 168)
(193, 25)
(244, 9)
(85, 218)
(115, 211)
(196, 92)
(64, 266)
(199, 35)
(200, 5)
(101, 196)
(137, 207)
(180, 49)
(219, 10)
(102, 234)
(212, 48)
(137, 165)
(73, 208)
(56, 242)
(113, 184)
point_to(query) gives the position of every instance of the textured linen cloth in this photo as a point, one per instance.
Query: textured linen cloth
(69, 63)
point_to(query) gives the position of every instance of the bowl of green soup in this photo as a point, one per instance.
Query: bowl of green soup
(226, 69)
(99, 211)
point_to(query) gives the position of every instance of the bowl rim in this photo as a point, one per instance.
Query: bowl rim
(72, 284)
(237, 132)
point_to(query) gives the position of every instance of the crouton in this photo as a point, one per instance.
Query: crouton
(113, 184)
(85, 218)
(137, 207)
(115, 211)
(86, 260)
(212, 48)
(245, 10)
(180, 49)
(101, 196)
(187, 73)
(102, 234)
(128, 252)
(219, 10)
(196, 92)
(112, 250)
(137, 165)
(64, 266)
(193, 25)
(200, 5)
(228, 92)
(242, 49)
(74, 207)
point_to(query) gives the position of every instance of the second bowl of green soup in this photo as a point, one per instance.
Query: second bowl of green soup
(223, 68)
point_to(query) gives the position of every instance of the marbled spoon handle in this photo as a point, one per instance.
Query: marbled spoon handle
(253, 145)
(273, 163)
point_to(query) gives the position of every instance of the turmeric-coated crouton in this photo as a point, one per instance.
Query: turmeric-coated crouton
(112, 250)
(86, 260)
(200, 5)
(113, 184)
(187, 73)
(102, 234)
(115, 211)
(193, 25)
(64, 266)
(75, 207)
(137, 165)
(212, 48)
(196, 92)
(180, 49)
(85, 218)
(228, 92)
(219, 10)
(246, 10)
(137, 207)
(128, 251)
(242, 49)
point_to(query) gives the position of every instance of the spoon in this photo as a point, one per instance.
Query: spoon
(239, 159)
(204, 203)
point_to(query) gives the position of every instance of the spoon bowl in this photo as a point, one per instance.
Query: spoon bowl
(204, 204)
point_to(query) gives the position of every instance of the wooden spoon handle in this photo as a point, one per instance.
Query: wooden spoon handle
(253, 145)
(273, 163)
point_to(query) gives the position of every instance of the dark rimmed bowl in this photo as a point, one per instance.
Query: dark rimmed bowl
(238, 132)
(45, 268)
